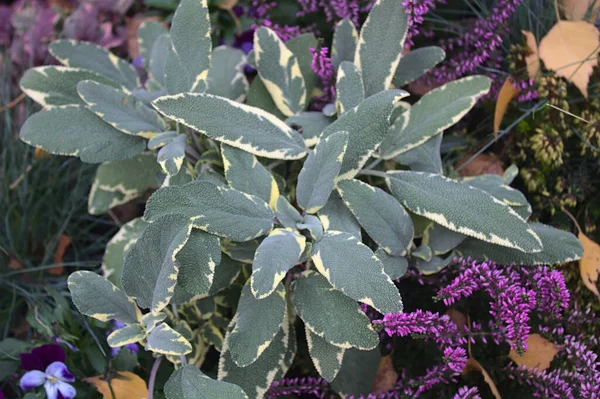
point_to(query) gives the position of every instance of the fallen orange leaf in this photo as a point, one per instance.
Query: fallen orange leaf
(386, 377)
(589, 264)
(458, 318)
(125, 385)
(539, 355)
(533, 59)
(483, 164)
(474, 365)
(507, 93)
(570, 49)
(63, 243)
(576, 10)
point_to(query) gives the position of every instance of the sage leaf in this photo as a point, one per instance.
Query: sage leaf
(416, 63)
(335, 215)
(358, 372)
(349, 87)
(171, 156)
(326, 357)
(161, 139)
(394, 266)
(226, 77)
(166, 341)
(148, 33)
(158, 63)
(424, 158)
(225, 274)
(286, 214)
(345, 40)
(197, 262)
(300, 46)
(259, 97)
(440, 239)
(310, 124)
(188, 382)
(126, 335)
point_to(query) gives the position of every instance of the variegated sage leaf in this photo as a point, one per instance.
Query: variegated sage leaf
(76, 131)
(318, 303)
(95, 58)
(349, 87)
(300, 46)
(415, 63)
(150, 269)
(367, 125)
(345, 40)
(148, 32)
(126, 335)
(240, 251)
(97, 297)
(217, 210)
(559, 247)
(380, 45)
(432, 265)
(335, 215)
(423, 252)
(259, 97)
(188, 382)
(248, 340)
(313, 225)
(119, 182)
(171, 156)
(510, 174)
(191, 43)
(310, 124)
(463, 208)
(358, 372)
(225, 274)
(434, 112)
(280, 71)
(424, 158)
(117, 247)
(197, 262)
(52, 86)
(226, 77)
(122, 111)
(287, 215)
(158, 63)
(161, 139)
(278, 253)
(166, 341)
(380, 214)
(245, 173)
(495, 186)
(316, 179)
(256, 378)
(326, 357)
(151, 320)
(336, 255)
(440, 239)
(247, 128)
(394, 266)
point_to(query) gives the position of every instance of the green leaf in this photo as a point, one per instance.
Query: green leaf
(226, 77)
(310, 124)
(510, 174)
(191, 43)
(380, 214)
(316, 179)
(440, 239)
(240, 251)
(335, 257)
(345, 40)
(158, 61)
(97, 297)
(151, 320)
(394, 266)
(280, 71)
(326, 357)
(248, 340)
(217, 210)
(494, 185)
(247, 128)
(559, 247)
(114, 254)
(349, 87)
(434, 112)
(256, 378)
(335, 215)
(286, 214)
(119, 182)
(300, 46)
(126, 335)
(245, 173)
(259, 97)
(122, 111)
(171, 156)
(225, 274)
(424, 158)
(197, 262)
(278, 253)
(188, 382)
(313, 225)
(95, 58)
(166, 341)
(76, 131)
(358, 372)
(150, 268)
(161, 139)
(434, 265)
(462, 208)
(380, 45)
(415, 63)
(367, 125)
(52, 86)
(148, 33)
(318, 303)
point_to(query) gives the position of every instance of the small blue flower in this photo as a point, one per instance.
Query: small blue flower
(54, 379)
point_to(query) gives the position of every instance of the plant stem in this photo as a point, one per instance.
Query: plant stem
(373, 173)
(153, 376)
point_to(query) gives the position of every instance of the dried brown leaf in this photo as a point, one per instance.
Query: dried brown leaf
(507, 93)
(539, 355)
(126, 385)
(63, 243)
(483, 164)
(474, 365)
(386, 377)
(533, 59)
(589, 264)
(576, 10)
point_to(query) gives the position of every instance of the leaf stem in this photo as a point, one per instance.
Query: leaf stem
(373, 173)
(153, 376)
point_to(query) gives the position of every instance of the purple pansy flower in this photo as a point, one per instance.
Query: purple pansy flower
(54, 379)
(42, 356)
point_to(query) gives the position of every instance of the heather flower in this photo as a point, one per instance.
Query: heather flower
(54, 379)
(299, 386)
(467, 393)
(321, 65)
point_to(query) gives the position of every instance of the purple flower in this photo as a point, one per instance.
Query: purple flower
(467, 393)
(321, 65)
(54, 379)
(298, 386)
(42, 356)
(456, 359)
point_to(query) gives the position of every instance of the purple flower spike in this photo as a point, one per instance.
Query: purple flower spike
(54, 379)
(467, 393)
(42, 356)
